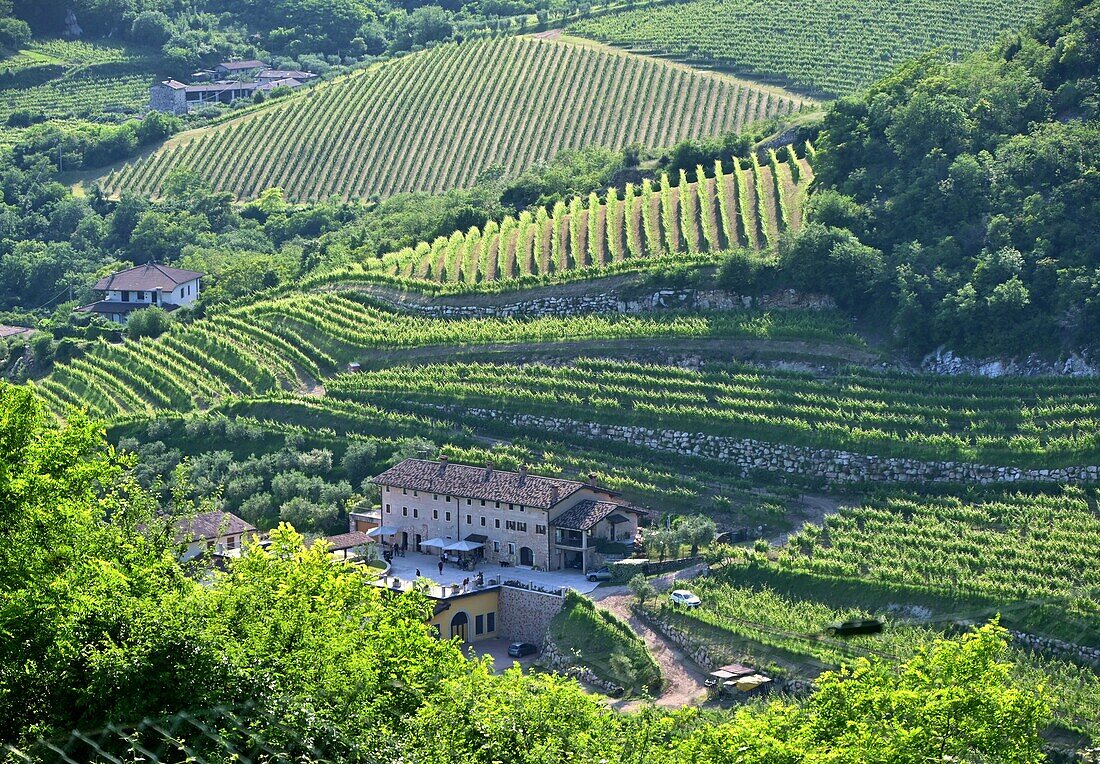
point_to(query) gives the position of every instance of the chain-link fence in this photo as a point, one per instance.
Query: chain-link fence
(213, 736)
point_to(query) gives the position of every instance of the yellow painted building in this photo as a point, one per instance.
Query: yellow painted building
(471, 616)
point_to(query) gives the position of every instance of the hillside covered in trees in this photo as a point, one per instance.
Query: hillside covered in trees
(978, 187)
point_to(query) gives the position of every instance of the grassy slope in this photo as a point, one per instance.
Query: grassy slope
(434, 120)
(595, 637)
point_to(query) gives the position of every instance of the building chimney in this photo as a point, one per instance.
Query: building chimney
(553, 494)
(488, 471)
(523, 474)
(443, 460)
(592, 479)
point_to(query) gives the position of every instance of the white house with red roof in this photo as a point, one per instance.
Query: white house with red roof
(144, 286)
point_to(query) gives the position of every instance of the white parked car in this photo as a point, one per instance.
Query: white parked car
(685, 598)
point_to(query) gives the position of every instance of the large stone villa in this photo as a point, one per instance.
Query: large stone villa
(508, 517)
(144, 286)
(228, 82)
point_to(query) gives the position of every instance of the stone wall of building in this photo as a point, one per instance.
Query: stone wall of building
(166, 99)
(525, 614)
(748, 456)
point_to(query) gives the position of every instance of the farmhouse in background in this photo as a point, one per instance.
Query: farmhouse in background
(141, 287)
(508, 517)
(220, 532)
(239, 68)
(231, 80)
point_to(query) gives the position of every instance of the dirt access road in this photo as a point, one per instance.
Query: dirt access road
(683, 679)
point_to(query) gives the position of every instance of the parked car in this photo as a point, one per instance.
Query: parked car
(603, 574)
(520, 649)
(685, 598)
(855, 626)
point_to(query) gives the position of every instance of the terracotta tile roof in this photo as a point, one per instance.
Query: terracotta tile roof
(12, 331)
(234, 66)
(146, 278)
(349, 540)
(211, 525)
(478, 483)
(587, 513)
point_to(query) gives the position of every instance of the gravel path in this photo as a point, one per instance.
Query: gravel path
(683, 679)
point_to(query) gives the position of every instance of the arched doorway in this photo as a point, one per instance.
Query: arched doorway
(526, 556)
(458, 625)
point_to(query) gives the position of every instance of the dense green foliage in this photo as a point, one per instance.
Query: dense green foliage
(988, 421)
(836, 46)
(978, 183)
(510, 102)
(318, 663)
(311, 34)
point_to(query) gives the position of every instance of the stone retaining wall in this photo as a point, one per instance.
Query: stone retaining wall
(616, 302)
(1089, 656)
(747, 456)
(525, 614)
(557, 660)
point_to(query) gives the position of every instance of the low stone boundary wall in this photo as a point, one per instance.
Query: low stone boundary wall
(555, 659)
(748, 456)
(614, 302)
(1089, 656)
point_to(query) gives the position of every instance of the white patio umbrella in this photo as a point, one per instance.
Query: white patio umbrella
(438, 542)
(383, 530)
(463, 546)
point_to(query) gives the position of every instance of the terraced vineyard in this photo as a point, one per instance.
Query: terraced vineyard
(835, 46)
(747, 206)
(1026, 423)
(289, 343)
(434, 120)
(70, 79)
(1017, 546)
(784, 631)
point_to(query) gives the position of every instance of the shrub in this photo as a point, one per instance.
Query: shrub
(739, 272)
(148, 322)
(14, 33)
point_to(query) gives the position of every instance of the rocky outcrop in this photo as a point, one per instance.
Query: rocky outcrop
(747, 456)
(942, 361)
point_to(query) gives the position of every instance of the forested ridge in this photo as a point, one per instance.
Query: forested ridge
(980, 185)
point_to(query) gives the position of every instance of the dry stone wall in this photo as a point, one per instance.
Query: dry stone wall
(616, 302)
(748, 456)
(555, 659)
